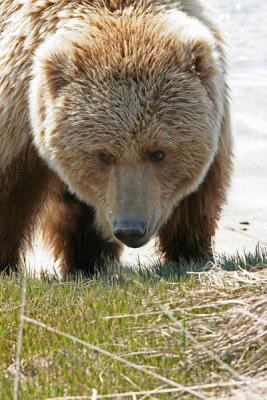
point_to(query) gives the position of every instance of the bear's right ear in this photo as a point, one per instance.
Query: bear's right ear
(55, 73)
(53, 65)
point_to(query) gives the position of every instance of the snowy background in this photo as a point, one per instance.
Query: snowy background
(244, 24)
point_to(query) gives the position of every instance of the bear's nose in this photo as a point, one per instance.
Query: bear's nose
(130, 232)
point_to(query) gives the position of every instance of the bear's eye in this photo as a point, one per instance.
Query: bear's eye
(105, 158)
(156, 156)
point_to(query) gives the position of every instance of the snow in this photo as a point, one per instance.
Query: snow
(245, 25)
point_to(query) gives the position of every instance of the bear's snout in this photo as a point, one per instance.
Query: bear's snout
(131, 232)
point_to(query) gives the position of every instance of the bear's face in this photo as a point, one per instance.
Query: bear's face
(129, 121)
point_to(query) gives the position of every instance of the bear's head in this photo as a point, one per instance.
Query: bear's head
(127, 111)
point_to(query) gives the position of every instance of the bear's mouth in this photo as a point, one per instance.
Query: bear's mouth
(135, 244)
(133, 241)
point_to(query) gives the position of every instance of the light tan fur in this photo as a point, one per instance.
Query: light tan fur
(124, 78)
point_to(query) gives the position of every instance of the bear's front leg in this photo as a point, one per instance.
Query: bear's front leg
(188, 233)
(68, 229)
(22, 185)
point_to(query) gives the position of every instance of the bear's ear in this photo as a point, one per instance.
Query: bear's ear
(195, 42)
(55, 69)
(53, 64)
(203, 59)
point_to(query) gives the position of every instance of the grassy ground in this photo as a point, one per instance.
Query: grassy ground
(182, 335)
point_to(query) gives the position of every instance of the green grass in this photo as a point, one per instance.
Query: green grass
(122, 312)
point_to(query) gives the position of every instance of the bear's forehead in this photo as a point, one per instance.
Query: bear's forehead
(128, 44)
(132, 106)
(125, 111)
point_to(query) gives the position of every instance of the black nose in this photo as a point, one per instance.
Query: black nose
(130, 232)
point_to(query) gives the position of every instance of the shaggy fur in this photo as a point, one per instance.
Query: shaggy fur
(124, 79)
(68, 228)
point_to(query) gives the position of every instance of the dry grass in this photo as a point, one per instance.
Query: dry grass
(232, 334)
(147, 335)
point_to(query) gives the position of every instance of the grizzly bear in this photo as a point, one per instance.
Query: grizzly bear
(114, 128)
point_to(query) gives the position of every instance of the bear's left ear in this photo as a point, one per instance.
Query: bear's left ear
(204, 59)
(196, 43)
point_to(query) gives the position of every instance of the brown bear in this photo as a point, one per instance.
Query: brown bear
(114, 128)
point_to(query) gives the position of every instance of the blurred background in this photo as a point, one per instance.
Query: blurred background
(245, 26)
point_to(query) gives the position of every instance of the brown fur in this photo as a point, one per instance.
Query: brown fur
(21, 195)
(68, 228)
(124, 78)
(193, 223)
